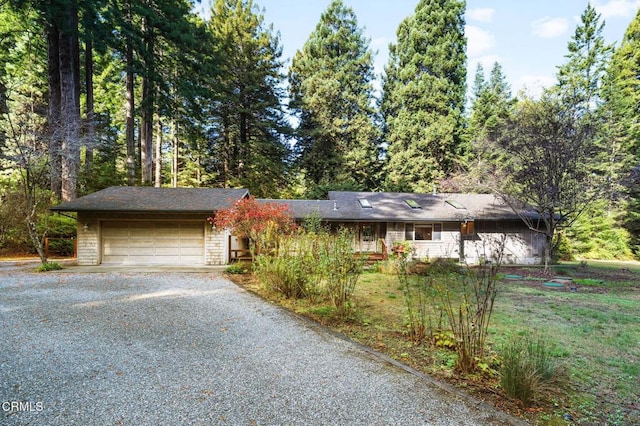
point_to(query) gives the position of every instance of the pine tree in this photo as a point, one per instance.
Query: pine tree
(624, 105)
(492, 104)
(248, 138)
(583, 86)
(424, 95)
(332, 94)
(581, 78)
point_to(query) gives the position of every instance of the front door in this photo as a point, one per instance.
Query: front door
(367, 237)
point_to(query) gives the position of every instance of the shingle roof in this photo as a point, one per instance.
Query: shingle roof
(155, 200)
(395, 206)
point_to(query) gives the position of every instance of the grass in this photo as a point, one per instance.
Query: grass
(596, 331)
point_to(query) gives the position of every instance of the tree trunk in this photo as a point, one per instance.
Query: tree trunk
(53, 71)
(130, 103)
(70, 102)
(175, 155)
(146, 137)
(158, 162)
(90, 124)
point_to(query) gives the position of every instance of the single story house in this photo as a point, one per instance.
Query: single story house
(145, 225)
(447, 225)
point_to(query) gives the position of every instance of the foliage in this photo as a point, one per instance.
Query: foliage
(247, 125)
(527, 366)
(313, 266)
(238, 268)
(550, 153)
(262, 222)
(289, 269)
(419, 298)
(623, 102)
(467, 301)
(343, 270)
(331, 91)
(424, 95)
(492, 105)
(597, 234)
(49, 266)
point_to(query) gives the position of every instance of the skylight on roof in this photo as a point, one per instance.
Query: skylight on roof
(364, 203)
(413, 204)
(455, 204)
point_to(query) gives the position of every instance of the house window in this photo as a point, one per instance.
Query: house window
(467, 228)
(423, 232)
(408, 231)
(367, 233)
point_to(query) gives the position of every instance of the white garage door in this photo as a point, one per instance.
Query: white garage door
(153, 242)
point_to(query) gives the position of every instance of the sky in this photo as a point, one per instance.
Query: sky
(527, 37)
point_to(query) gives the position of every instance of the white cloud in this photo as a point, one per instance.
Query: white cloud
(481, 14)
(549, 27)
(618, 8)
(486, 61)
(478, 40)
(533, 85)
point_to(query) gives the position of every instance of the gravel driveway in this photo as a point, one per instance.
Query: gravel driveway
(177, 348)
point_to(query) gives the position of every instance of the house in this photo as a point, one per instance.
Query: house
(144, 225)
(460, 226)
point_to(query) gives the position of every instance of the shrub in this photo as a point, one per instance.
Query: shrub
(284, 271)
(238, 268)
(418, 297)
(527, 366)
(49, 266)
(467, 301)
(343, 268)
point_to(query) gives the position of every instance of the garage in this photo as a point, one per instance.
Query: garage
(128, 225)
(153, 242)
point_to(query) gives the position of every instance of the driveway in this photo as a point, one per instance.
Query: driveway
(172, 348)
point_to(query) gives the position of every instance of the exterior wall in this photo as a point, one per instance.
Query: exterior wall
(216, 251)
(447, 247)
(89, 236)
(521, 245)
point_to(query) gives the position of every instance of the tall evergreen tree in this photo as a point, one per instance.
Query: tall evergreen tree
(581, 78)
(582, 86)
(332, 95)
(424, 95)
(249, 129)
(624, 102)
(492, 104)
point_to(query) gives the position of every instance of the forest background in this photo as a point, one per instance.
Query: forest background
(148, 92)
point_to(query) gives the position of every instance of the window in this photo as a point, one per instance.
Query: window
(408, 232)
(364, 203)
(467, 228)
(413, 204)
(367, 233)
(423, 232)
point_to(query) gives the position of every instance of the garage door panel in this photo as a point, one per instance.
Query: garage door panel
(149, 242)
(190, 251)
(142, 242)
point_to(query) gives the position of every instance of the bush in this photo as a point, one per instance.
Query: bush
(238, 268)
(527, 366)
(343, 269)
(49, 266)
(311, 265)
(295, 268)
